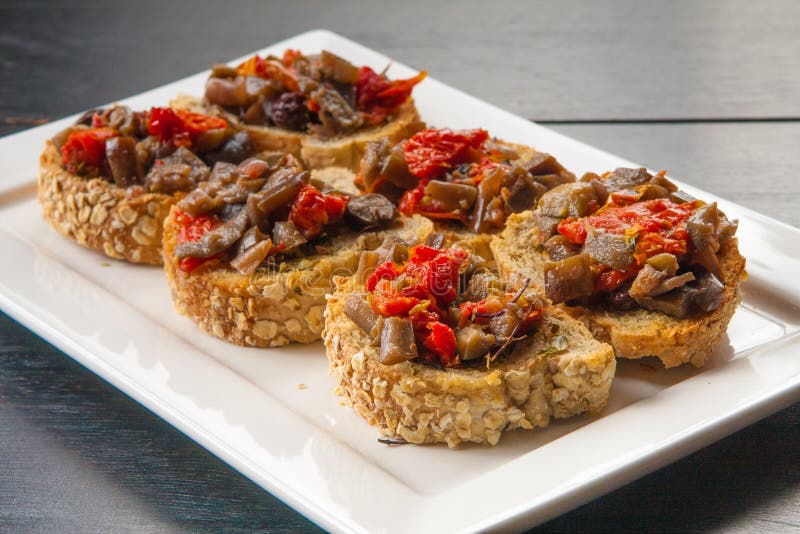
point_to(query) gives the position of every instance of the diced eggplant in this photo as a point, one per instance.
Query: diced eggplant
(338, 69)
(221, 70)
(372, 163)
(286, 233)
(367, 211)
(395, 169)
(335, 113)
(392, 249)
(702, 228)
(358, 310)
(236, 149)
(227, 92)
(677, 303)
(452, 197)
(481, 285)
(181, 171)
(121, 156)
(524, 194)
(397, 341)
(248, 260)
(569, 278)
(626, 178)
(366, 266)
(681, 197)
(472, 342)
(559, 248)
(542, 164)
(710, 293)
(664, 262)
(608, 249)
(567, 200)
(545, 225)
(216, 240)
(488, 212)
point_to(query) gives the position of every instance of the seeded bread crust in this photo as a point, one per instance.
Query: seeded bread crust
(420, 404)
(636, 333)
(317, 153)
(98, 214)
(270, 308)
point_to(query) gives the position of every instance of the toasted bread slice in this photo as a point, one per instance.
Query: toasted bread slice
(422, 404)
(271, 308)
(316, 152)
(636, 333)
(100, 215)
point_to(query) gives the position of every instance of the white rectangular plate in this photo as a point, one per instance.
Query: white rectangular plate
(300, 444)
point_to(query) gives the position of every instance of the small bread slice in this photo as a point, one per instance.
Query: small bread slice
(271, 308)
(100, 215)
(636, 333)
(421, 404)
(316, 152)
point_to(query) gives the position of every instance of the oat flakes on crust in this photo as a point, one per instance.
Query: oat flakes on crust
(270, 308)
(637, 333)
(99, 215)
(316, 153)
(420, 404)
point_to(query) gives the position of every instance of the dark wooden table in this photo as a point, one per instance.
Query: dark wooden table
(708, 90)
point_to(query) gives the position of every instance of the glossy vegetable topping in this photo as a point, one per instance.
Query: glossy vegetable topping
(161, 150)
(192, 230)
(322, 94)
(647, 246)
(85, 150)
(459, 176)
(260, 211)
(181, 127)
(426, 317)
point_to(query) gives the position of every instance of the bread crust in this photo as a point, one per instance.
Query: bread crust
(421, 404)
(315, 152)
(269, 308)
(636, 333)
(99, 215)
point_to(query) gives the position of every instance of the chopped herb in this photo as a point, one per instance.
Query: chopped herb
(298, 290)
(560, 344)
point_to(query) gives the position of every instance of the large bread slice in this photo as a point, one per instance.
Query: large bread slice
(637, 333)
(315, 152)
(421, 404)
(100, 215)
(271, 308)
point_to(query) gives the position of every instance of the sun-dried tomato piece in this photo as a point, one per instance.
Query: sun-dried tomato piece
(84, 151)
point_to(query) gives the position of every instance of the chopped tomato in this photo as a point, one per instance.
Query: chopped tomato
(409, 202)
(289, 57)
(573, 229)
(335, 206)
(440, 339)
(269, 69)
(430, 153)
(85, 150)
(192, 229)
(377, 96)
(181, 127)
(311, 210)
(384, 271)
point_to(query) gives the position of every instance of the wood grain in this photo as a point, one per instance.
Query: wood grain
(567, 60)
(77, 455)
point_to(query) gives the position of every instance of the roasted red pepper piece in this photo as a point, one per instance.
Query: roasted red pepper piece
(85, 150)
(430, 153)
(180, 127)
(311, 210)
(192, 229)
(269, 69)
(440, 339)
(377, 96)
